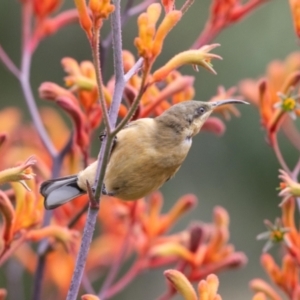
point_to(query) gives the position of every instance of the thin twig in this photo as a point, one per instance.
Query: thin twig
(8, 63)
(186, 6)
(96, 60)
(87, 285)
(296, 170)
(13, 248)
(294, 176)
(135, 68)
(134, 105)
(76, 218)
(36, 117)
(38, 278)
(279, 155)
(134, 270)
(116, 265)
(116, 29)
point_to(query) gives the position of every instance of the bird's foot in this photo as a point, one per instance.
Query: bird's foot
(103, 135)
(105, 192)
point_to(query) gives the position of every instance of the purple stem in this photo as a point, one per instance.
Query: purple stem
(114, 269)
(83, 252)
(118, 63)
(104, 153)
(87, 285)
(39, 126)
(134, 270)
(139, 8)
(134, 69)
(296, 170)
(279, 155)
(8, 63)
(27, 91)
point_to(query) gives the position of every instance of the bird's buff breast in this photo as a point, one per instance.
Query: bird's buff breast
(136, 168)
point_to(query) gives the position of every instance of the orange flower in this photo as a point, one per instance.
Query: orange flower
(20, 173)
(224, 13)
(263, 288)
(89, 297)
(207, 250)
(207, 289)
(199, 57)
(181, 284)
(289, 188)
(276, 234)
(66, 237)
(29, 208)
(8, 216)
(155, 224)
(295, 9)
(26, 215)
(280, 78)
(3, 294)
(101, 9)
(44, 8)
(84, 18)
(284, 276)
(150, 41)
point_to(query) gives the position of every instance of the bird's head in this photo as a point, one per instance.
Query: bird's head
(189, 116)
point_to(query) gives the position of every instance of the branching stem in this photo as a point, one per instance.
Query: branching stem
(96, 60)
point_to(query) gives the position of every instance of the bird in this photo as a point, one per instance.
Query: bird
(147, 152)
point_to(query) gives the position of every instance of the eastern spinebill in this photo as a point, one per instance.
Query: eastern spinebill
(147, 153)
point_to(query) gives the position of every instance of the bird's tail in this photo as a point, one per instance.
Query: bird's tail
(59, 191)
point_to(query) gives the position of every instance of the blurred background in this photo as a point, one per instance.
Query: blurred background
(238, 170)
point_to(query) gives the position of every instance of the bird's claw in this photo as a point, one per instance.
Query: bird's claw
(105, 192)
(103, 135)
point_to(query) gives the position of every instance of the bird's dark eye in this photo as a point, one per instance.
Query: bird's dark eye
(200, 111)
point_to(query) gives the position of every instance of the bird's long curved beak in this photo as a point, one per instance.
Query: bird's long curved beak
(227, 101)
